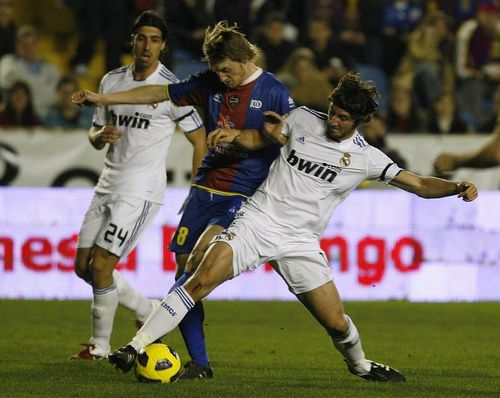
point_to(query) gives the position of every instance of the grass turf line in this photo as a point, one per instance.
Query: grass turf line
(262, 349)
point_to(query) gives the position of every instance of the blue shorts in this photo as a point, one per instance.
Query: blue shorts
(203, 209)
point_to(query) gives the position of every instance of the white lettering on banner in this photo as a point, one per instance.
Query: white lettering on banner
(423, 250)
(37, 158)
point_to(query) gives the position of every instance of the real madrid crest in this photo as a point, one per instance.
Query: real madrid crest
(154, 105)
(345, 160)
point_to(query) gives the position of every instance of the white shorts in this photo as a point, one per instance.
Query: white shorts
(116, 222)
(300, 262)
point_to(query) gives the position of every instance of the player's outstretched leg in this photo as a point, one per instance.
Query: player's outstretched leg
(163, 320)
(123, 358)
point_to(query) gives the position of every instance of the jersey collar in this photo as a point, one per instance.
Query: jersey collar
(252, 77)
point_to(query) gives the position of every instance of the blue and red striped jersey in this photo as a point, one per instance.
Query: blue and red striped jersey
(230, 168)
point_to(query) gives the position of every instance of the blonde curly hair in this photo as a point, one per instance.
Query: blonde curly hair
(225, 42)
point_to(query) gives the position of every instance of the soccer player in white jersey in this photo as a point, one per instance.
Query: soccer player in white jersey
(131, 188)
(322, 160)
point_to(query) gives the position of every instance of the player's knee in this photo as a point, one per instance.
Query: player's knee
(80, 271)
(101, 269)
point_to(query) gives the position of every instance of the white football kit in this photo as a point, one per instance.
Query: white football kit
(285, 218)
(131, 187)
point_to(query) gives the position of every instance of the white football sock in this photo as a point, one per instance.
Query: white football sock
(131, 298)
(165, 318)
(349, 345)
(103, 314)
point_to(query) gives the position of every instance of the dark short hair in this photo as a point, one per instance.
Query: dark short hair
(356, 96)
(66, 80)
(151, 18)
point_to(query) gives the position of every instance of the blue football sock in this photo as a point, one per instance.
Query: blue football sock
(191, 328)
(179, 282)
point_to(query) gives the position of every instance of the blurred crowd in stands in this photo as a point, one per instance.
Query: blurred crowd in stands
(436, 63)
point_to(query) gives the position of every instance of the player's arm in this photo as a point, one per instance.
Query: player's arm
(433, 187)
(250, 139)
(198, 139)
(486, 156)
(99, 136)
(146, 94)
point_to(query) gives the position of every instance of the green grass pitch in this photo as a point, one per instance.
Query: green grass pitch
(263, 349)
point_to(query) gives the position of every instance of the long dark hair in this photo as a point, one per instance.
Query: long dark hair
(28, 116)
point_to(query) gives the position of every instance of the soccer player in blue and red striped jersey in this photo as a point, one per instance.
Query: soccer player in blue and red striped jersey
(233, 94)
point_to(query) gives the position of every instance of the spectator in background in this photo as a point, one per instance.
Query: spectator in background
(402, 114)
(307, 84)
(273, 43)
(399, 17)
(326, 54)
(445, 118)
(187, 21)
(108, 19)
(351, 40)
(477, 61)
(8, 28)
(370, 13)
(64, 113)
(427, 66)
(18, 111)
(27, 65)
(247, 14)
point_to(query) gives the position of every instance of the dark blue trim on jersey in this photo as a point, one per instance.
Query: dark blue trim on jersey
(184, 116)
(123, 69)
(382, 176)
(318, 114)
(359, 141)
(164, 72)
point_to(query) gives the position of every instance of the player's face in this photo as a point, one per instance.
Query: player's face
(147, 46)
(231, 73)
(340, 124)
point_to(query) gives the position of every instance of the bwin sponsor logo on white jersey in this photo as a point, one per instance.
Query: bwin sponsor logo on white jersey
(324, 171)
(255, 104)
(133, 121)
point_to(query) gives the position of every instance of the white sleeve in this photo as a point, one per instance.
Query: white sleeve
(99, 118)
(381, 166)
(187, 117)
(289, 122)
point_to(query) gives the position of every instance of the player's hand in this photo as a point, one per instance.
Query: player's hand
(221, 135)
(87, 98)
(467, 191)
(445, 162)
(272, 126)
(108, 135)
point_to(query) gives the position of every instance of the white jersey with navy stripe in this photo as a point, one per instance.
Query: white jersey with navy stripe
(313, 175)
(135, 165)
